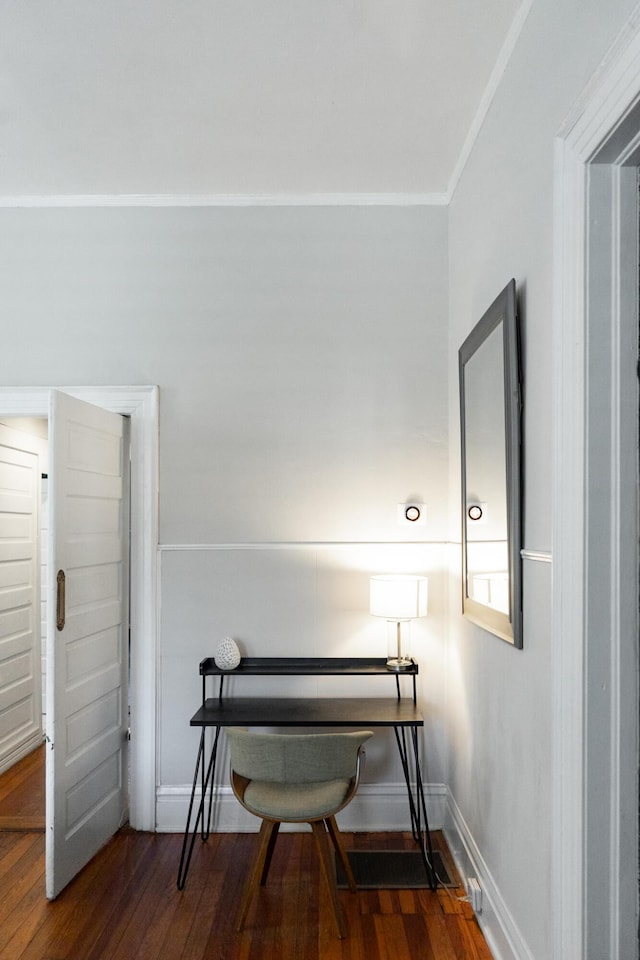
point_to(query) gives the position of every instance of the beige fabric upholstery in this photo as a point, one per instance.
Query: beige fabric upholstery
(295, 758)
(295, 801)
(289, 778)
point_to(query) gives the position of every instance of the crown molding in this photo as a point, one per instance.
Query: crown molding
(227, 200)
(489, 92)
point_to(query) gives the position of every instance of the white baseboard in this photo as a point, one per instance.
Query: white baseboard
(376, 807)
(498, 926)
(17, 753)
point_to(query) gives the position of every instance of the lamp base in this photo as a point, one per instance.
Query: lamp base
(399, 663)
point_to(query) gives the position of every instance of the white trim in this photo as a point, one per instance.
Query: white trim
(610, 93)
(32, 742)
(568, 550)
(539, 556)
(376, 807)
(228, 200)
(608, 101)
(489, 92)
(297, 545)
(496, 922)
(141, 405)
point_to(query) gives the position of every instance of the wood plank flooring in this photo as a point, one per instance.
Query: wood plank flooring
(22, 794)
(125, 905)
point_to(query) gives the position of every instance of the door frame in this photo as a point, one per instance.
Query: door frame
(595, 528)
(141, 405)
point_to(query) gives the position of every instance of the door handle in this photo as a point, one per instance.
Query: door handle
(60, 600)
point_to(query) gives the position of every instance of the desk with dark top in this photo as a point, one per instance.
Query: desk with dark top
(400, 713)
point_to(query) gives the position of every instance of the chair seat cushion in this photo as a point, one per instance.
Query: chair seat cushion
(295, 801)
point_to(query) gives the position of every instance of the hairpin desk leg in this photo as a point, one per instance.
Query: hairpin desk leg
(417, 806)
(211, 777)
(427, 855)
(207, 782)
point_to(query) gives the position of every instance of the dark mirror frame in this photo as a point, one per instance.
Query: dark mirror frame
(503, 312)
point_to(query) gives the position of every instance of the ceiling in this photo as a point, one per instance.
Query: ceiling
(207, 98)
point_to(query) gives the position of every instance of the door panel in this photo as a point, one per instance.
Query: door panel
(20, 694)
(87, 665)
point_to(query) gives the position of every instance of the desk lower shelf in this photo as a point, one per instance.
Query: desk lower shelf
(310, 712)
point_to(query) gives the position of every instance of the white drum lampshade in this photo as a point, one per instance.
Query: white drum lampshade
(398, 597)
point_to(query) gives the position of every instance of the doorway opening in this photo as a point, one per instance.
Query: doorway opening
(24, 465)
(140, 405)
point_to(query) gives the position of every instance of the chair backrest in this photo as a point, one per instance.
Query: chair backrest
(295, 758)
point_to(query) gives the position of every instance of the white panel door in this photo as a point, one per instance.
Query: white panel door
(20, 689)
(87, 657)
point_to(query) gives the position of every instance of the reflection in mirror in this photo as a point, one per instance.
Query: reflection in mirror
(486, 501)
(490, 433)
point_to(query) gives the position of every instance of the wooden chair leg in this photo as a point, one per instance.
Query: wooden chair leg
(270, 848)
(324, 853)
(266, 842)
(336, 839)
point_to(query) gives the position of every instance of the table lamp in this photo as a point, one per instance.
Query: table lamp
(398, 597)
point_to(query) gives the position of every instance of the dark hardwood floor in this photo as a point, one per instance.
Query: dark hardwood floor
(125, 906)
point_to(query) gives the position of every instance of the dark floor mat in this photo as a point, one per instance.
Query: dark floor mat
(392, 869)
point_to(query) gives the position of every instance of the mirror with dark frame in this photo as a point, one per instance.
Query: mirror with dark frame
(490, 409)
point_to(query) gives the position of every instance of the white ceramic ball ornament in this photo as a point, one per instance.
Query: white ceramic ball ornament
(227, 655)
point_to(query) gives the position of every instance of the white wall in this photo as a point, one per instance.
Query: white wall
(301, 359)
(501, 226)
